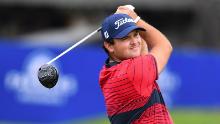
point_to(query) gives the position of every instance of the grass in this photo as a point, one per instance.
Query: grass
(196, 116)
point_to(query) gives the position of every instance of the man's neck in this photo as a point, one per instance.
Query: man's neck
(114, 60)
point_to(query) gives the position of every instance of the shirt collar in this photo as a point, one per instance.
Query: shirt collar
(109, 63)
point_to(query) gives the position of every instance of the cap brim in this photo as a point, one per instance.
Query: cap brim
(127, 31)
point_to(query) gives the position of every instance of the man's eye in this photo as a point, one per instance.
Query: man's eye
(124, 38)
(136, 34)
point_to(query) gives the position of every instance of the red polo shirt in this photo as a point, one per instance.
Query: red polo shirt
(131, 93)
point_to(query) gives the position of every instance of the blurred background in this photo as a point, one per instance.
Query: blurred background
(32, 32)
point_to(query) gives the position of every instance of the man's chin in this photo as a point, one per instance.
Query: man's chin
(134, 55)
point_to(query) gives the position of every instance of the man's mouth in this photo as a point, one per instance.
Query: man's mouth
(134, 47)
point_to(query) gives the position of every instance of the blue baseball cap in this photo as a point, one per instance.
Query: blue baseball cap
(118, 26)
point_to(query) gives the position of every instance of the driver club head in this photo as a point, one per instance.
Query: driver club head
(48, 75)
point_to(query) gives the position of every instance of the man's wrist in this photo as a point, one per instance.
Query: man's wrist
(137, 19)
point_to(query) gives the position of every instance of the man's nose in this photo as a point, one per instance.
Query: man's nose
(134, 40)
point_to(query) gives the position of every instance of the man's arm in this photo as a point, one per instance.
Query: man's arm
(158, 45)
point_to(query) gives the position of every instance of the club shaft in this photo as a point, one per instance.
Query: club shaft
(75, 45)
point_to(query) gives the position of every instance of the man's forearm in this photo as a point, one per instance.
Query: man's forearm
(157, 43)
(152, 36)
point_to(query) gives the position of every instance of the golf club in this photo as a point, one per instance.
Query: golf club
(48, 74)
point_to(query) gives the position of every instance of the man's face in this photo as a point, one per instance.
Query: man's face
(127, 47)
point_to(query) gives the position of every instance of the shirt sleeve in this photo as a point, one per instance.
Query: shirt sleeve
(142, 72)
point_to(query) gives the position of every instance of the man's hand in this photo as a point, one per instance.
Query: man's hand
(127, 10)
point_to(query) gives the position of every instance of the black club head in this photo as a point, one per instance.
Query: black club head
(48, 75)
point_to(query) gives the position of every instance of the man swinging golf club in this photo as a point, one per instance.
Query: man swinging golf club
(137, 52)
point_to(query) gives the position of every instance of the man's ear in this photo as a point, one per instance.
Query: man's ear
(109, 47)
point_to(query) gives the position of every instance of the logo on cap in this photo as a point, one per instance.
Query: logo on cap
(106, 34)
(122, 21)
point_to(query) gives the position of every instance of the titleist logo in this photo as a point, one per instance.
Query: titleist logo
(122, 21)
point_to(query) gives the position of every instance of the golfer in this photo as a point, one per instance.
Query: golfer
(137, 53)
